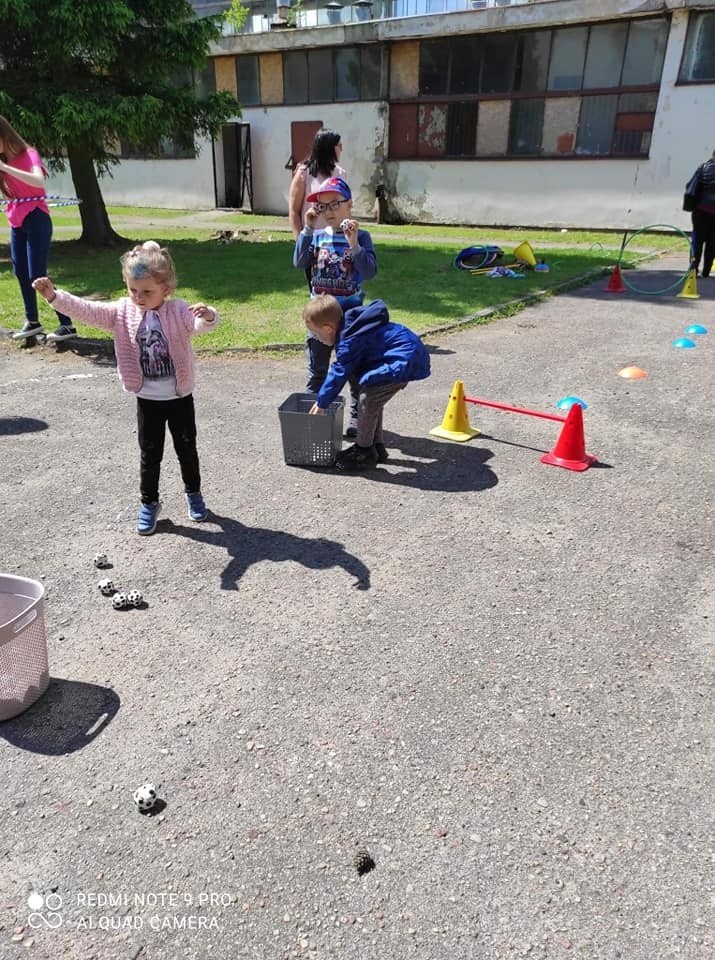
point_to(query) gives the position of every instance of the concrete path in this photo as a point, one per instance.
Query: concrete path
(493, 675)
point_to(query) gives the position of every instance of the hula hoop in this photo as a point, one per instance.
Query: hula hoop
(656, 293)
(52, 200)
(487, 252)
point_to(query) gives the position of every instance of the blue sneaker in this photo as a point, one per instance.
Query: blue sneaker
(197, 508)
(146, 518)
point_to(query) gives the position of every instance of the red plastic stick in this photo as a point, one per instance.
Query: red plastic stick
(509, 409)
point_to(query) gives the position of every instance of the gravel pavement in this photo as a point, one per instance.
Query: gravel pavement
(492, 675)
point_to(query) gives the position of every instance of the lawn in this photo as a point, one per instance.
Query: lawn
(260, 295)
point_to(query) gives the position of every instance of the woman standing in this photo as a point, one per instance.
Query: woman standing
(22, 175)
(321, 164)
(702, 187)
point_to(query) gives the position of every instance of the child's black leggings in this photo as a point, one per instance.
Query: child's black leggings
(153, 416)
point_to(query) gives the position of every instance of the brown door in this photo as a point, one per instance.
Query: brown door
(302, 134)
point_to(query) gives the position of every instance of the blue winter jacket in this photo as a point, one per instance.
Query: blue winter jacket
(373, 350)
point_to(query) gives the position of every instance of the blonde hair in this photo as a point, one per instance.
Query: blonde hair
(149, 260)
(322, 310)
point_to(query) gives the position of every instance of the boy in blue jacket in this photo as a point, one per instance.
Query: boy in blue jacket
(377, 357)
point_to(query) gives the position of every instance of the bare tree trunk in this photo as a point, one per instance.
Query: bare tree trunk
(96, 229)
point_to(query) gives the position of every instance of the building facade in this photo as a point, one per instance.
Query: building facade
(554, 113)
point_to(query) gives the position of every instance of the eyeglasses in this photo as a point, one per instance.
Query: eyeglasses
(333, 205)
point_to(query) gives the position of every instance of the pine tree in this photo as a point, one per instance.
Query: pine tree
(77, 77)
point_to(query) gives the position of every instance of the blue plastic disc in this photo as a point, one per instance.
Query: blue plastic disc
(565, 403)
(684, 342)
(696, 328)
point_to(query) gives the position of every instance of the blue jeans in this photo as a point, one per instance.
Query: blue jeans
(29, 251)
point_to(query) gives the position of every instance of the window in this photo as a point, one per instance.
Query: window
(334, 73)
(699, 55)
(170, 148)
(567, 56)
(645, 52)
(205, 81)
(248, 82)
(525, 128)
(555, 92)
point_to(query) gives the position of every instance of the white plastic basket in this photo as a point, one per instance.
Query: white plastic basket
(24, 671)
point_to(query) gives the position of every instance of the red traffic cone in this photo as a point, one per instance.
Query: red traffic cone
(615, 282)
(570, 449)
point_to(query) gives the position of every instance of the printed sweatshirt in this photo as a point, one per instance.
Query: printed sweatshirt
(123, 318)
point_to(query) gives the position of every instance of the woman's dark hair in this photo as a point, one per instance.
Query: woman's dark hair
(322, 157)
(12, 144)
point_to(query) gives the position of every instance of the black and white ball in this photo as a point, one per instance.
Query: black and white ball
(106, 587)
(145, 797)
(135, 598)
(101, 560)
(344, 224)
(119, 601)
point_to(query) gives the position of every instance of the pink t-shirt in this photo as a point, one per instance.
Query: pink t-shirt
(16, 212)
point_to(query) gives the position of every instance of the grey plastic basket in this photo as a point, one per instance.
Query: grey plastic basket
(24, 673)
(310, 441)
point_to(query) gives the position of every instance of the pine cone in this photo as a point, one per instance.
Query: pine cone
(363, 862)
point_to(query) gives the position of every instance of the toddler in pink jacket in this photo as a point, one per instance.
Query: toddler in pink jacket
(155, 361)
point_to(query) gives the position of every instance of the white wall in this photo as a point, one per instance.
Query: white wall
(605, 193)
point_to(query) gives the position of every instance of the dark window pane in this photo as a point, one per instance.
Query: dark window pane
(604, 59)
(434, 66)
(247, 81)
(699, 57)
(645, 52)
(206, 81)
(637, 102)
(372, 72)
(320, 74)
(533, 60)
(498, 63)
(525, 129)
(403, 131)
(464, 66)
(568, 51)
(462, 129)
(295, 77)
(632, 142)
(596, 124)
(347, 73)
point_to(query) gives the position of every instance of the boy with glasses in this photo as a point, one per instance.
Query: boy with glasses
(340, 256)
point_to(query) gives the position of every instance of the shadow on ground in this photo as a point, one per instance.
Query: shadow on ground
(428, 464)
(68, 716)
(13, 426)
(248, 545)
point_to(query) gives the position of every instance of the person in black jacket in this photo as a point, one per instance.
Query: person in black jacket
(703, 216)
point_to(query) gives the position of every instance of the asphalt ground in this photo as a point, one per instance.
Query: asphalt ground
(492, 675)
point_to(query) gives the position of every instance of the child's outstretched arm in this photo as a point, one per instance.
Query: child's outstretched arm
(203, 318)
(303, 252)
(89, 312)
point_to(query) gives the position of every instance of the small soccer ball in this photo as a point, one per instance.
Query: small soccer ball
(106, 587)
(344, 224)
(135, 598)
(119, 601)
(101, 560)
(145, 797)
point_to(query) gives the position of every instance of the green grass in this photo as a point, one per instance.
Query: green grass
(260, 295)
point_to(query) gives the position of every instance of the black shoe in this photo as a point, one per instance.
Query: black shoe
(64, 332)
(31, 328)
(381, 452)
(356, 458)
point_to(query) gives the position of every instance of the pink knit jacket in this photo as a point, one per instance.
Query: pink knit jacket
(124, 318)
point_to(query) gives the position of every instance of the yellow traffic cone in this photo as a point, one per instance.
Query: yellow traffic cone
(690, 287)
(455, 425)
(525, 254)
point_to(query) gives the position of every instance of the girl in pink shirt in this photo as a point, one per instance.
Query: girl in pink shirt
(152, 342)
(22, 175)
